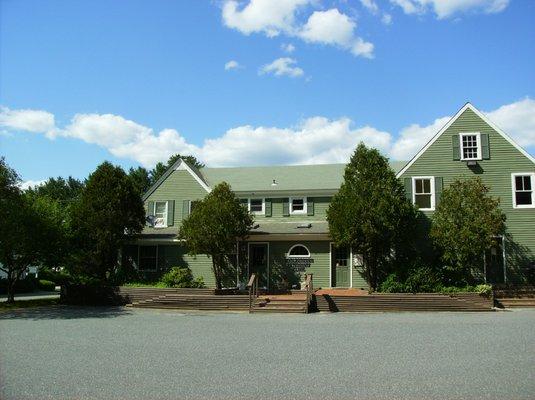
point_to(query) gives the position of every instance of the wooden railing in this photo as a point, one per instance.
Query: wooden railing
(309, 286)
(253, 290)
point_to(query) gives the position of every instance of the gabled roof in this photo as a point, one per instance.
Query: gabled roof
(180, 164)
(450, 122)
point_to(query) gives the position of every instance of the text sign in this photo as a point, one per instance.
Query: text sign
(299, 264)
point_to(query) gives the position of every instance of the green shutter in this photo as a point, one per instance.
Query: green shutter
(408, 188)
(267, 207)
(456, 147)
(185, 209)
(170, 212)
(285, 208)
(150, 209)
(485, 149)
(310, 206)
(439, 183)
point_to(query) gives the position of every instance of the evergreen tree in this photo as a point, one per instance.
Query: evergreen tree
(371, 214)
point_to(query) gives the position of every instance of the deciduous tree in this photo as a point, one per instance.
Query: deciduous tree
(465, 225)
(214, 226)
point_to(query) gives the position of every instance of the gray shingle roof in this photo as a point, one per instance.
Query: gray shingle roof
(288, 177)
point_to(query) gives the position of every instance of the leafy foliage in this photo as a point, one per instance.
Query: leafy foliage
(181, 277)
(64, 191)
(140, 178)
(108, 212)
(214, 226)
(465, 225)
(371, 214)
(31, 231)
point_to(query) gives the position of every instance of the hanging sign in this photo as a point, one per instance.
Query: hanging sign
(299, 264)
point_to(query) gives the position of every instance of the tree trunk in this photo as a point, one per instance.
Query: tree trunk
(215, 268)
(10, 288)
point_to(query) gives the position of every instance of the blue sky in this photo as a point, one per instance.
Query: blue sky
(135, 81)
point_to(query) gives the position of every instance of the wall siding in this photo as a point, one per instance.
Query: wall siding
(495, 172)
(320, 211)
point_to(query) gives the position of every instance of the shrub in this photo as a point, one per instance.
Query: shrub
(58, 277)
(181, 277)
(423, 280)
(484, 289)
(392, 285)
(48, 286)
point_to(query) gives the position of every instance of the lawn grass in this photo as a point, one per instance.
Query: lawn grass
(28, 303)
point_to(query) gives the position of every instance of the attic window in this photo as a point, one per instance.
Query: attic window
(256, 206)
(160, 214)
(470, 144)
(298, 205)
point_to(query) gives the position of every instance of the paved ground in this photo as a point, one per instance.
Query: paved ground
(114, 353)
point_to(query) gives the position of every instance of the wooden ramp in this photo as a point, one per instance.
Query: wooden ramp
(515, 297)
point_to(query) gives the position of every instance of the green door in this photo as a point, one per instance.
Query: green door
(494, 268)
(258, 262)
(340, 266)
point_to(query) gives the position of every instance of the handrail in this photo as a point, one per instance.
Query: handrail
(309, 286)
(252, 285)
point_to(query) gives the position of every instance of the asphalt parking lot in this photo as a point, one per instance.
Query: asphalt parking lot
(116, 353)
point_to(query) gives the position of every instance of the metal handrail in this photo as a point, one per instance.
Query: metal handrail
(309, 286)
(252, 285)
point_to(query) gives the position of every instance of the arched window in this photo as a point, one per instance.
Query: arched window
(298, 250)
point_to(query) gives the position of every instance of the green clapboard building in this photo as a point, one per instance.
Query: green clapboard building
(291, 234)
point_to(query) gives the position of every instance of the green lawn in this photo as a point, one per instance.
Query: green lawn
(28, 303)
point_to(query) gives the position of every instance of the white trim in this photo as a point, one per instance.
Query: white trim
(330, 264)
(249, 260)
(350, 267)
(513, 189)
(478, 146)
(432, 179)
(288, 255)
(450, 122)
(166, 214)
(298, 212)
(184, 166)
(263, 212)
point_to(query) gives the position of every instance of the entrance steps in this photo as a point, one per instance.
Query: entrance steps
(404, 302)
(292, 303)
(196, 302)
(515, 297)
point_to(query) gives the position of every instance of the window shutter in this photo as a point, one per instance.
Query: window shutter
(185, 209)
(310, 206)
(150, 209)
(439, 183)
(408, 188)
(285, 208)
(267, 207)
(170, 212)
(456, 147)
(485, 149)
(244, 203)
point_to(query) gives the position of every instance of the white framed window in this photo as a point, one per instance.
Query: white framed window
(298, 205)
(257, 206)
(523, 184)
(470, 146)
(423, 192)
(160, 214)
(298, 251)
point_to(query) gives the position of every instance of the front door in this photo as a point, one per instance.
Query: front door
(258, 262)
(494, 263)
(340, 264)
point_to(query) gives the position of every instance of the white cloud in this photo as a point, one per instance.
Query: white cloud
(274, 18)
(27, 120)
(386, 19)
(448, 8)
(413, 137)
(31, 184)
(288, 48)
(282, 66)
(232, 64)
(370, 5)
(332, 27)
(267, 16)
(518, 120)
(314, 140)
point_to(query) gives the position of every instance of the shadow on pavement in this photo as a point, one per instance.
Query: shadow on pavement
(64, 312)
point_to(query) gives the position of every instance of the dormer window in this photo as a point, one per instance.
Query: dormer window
(257, 206)
(298, 205)
(470, 144)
